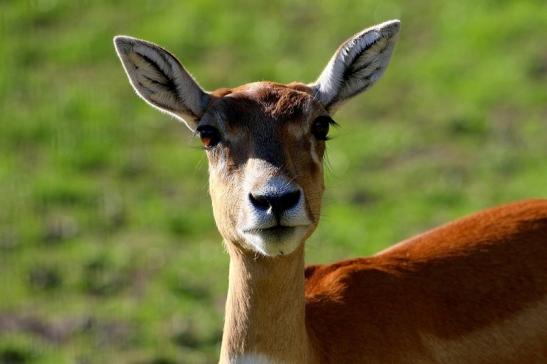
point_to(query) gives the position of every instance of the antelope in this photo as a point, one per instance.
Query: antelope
(471, 291)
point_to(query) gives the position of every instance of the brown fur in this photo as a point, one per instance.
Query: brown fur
(465, 277)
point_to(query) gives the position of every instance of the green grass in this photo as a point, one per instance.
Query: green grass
(108, 250)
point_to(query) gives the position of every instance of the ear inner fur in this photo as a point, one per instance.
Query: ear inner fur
(356, 65)
(159, 78)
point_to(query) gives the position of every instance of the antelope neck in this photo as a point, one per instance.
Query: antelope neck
(265, 309)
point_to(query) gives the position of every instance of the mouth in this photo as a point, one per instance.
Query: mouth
(278, 232)
(275, 240)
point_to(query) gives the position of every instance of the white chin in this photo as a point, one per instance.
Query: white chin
(273, 243)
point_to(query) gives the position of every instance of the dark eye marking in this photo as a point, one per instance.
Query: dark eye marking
(320, 127)
(209, 135)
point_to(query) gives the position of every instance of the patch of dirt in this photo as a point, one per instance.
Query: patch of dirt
(59, 331)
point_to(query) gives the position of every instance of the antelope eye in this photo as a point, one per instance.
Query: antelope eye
(210, 136)
(320, 127)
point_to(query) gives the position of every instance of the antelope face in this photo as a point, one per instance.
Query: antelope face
(264, 141)
(265, 144)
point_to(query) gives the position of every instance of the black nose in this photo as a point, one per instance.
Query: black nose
(277, 202)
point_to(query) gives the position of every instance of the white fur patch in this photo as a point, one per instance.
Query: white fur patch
(253, 220)
(253, 359)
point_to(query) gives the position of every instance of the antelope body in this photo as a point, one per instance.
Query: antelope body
(472, 291)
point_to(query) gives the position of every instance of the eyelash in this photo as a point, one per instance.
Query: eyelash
(320, 127)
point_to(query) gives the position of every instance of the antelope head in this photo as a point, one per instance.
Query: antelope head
(264, 141)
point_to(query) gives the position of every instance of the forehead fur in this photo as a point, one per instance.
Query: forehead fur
(271, 101)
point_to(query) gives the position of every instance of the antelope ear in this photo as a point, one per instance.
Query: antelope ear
(159, 78)
(356, 65)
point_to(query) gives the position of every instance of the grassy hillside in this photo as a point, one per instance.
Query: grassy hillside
(108, 250)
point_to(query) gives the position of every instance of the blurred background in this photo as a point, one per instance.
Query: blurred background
(108, 249)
